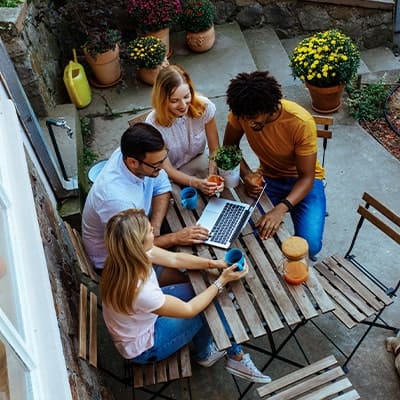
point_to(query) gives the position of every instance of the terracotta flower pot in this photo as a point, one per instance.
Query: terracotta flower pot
(162, 34)
(149, 75)
(201, 41)
(106, 67)
(325, 100)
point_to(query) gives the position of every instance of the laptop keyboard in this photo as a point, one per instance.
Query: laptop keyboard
(227, 223)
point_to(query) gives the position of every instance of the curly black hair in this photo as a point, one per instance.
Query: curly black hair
(252, 94)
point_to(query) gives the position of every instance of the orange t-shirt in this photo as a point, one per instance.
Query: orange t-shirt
(276, 146)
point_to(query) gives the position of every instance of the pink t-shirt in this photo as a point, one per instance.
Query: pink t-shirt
(134, 334)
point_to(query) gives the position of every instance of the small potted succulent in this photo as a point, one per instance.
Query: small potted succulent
(227, 159)
(148, 55)
(326, 60)
(197, 19)
(154, 17)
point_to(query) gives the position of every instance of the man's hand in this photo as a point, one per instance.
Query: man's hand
(191, 235)
(269, 223)
(253, 183)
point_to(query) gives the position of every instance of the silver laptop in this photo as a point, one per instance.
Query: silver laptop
(225, 219)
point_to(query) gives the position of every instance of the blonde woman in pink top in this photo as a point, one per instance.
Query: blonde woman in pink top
(186, 121)
(149, 323)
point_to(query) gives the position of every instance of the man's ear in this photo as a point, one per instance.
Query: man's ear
(131, 162)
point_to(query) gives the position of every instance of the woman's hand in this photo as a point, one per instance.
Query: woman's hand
(253, 184)
(231, 274)
(208, 187)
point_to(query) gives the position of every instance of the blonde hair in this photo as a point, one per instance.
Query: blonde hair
(127, 265)
(168, 80)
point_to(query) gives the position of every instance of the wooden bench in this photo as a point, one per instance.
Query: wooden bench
(138, 376)
(84, 262)
(323, 379)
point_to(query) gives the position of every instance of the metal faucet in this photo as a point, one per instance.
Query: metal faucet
(61, 123)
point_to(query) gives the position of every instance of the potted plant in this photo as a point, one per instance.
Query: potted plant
(227, 159)
(148, 55)
(101, 50)
(94, 32)
(155, 17)
(197, 19)
(326, 60)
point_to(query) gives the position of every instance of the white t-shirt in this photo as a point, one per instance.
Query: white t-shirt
(186, 137)
(134, 334)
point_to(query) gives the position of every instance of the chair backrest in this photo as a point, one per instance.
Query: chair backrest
(323, 131)
(88, 326)
(139, 118)
(320, 380)
(84, 262)
(380, 216)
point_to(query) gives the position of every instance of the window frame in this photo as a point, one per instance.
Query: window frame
(39, 348)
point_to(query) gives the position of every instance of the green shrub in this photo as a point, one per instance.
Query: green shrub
(367, 103)
(10, 3)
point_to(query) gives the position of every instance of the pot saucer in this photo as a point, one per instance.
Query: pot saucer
(99, 85)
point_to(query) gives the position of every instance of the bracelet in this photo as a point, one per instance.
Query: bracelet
(190, 180)
(218, 285)
(287, 203)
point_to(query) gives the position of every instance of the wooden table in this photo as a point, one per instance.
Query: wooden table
(262, 302)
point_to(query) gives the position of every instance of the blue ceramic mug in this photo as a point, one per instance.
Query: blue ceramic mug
(235, 256)
(189, 198)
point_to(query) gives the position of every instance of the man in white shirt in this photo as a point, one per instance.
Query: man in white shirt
(133, 178)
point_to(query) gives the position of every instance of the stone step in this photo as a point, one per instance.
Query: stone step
(271, 53)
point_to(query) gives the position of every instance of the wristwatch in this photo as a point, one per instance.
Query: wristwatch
(218, 285)
(288, 204)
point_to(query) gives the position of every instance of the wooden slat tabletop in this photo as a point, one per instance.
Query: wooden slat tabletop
(262, 300)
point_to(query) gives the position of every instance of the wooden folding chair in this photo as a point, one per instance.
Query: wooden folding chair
(358, 294)
(139, 118)
(324, 379)
(323, 131)
(84, 262)
(177, 366)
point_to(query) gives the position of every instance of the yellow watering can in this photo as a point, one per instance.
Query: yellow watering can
(77, 84)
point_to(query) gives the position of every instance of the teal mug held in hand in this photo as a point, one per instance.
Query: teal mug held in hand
(235, 256)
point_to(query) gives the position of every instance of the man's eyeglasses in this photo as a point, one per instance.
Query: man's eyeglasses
(257, 125)
(157, 165)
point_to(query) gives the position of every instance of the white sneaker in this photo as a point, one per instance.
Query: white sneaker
(213, 356)
(246, 369)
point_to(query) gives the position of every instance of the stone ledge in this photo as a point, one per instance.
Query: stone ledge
(379, 4)
(12, 19)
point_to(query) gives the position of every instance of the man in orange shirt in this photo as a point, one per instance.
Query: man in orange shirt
(283, 136)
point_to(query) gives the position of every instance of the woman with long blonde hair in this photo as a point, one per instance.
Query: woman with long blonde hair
(187, 123)
(149, 323)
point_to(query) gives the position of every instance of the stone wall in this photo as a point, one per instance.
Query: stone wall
(370, 23)
(40, 62)
(64, 279)
(35, 54)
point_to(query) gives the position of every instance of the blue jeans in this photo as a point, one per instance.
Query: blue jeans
(171, 334)
(308, 216)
